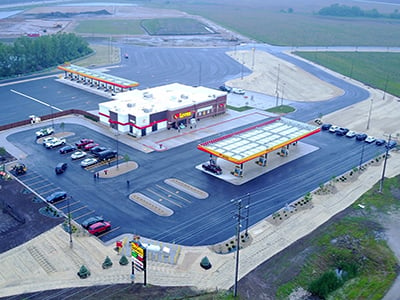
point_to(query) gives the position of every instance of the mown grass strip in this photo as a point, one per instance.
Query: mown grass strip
(376, 69)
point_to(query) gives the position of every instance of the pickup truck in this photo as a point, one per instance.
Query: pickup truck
(55, 143)
(44, 132)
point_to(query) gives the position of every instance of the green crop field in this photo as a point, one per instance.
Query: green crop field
(112, 27)
(378, 69)
(174, 26)
(270, 22)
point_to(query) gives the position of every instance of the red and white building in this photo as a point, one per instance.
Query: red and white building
(141, 112)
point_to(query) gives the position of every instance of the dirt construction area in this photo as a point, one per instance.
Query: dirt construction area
(264, 265)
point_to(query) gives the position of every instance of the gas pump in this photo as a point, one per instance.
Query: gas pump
(238, 171)
(283, 152)
(262, 161)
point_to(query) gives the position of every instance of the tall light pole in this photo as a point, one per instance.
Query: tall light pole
(369, 114)
(69, 224)
(116, 135)
(52, 118)
(277, 85)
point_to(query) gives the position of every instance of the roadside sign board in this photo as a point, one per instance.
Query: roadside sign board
(138, 255)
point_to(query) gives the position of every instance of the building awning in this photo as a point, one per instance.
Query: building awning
(258, 140)
(106, 78)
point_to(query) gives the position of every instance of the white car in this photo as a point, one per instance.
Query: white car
(351, 134)
(370, 139)
(88, 162)
(55, 143)
(78, 154)
(44, 132)
(49, 140)
(238, 91)
(333, 128)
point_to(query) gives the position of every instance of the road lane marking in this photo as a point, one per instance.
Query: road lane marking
(36, 100)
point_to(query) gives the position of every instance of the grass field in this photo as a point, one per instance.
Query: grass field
(378, 69)
(354, 242)
(174, 26)
(269, 22)
(112, 27)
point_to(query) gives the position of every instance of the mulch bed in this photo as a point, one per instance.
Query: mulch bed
(20, 220)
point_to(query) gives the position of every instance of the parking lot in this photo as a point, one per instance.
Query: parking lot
(194, 221)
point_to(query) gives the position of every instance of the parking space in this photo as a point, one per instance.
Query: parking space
(194, 220)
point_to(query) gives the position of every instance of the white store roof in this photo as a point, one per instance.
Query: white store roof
(168, 97)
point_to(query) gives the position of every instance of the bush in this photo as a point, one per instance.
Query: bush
(123, 261)
(83, 272)
(325, 284)
(107, 263)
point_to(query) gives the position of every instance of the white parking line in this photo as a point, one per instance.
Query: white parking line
(36, 100)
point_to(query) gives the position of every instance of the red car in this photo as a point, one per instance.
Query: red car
(99, 227)
(90, 146)
(83, 142)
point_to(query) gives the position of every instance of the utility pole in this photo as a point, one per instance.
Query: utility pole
(239, 218)
(239, 204)
(384, 165)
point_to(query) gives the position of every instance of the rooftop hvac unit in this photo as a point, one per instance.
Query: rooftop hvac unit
(130, 104)
(147, 110)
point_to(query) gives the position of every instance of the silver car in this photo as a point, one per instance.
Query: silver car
(88, 162)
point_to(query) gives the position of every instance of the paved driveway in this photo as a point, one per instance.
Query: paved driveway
(194, 221)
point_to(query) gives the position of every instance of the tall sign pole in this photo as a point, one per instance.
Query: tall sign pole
(138, 258)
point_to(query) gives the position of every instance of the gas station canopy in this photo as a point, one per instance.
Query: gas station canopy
(258, 140)
(106, 78)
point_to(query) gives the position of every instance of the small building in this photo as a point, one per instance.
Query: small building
(172, 106)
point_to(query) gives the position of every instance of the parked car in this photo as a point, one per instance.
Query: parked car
(88, 162)
(333, 128)
(370, 139)
(55, 143)
(238, 91)
(341, 131)
(326, 126)
(212, 168)
(44, 132)
(49, 139)
(351, 134)
(391, 144)
(97, 149)
(361, 136)
(56, 196)
(78, 154)
(61, 168)
(225, 88)
(90, 221)
(83, 142)
(380, 142)
(99, 227)
(107, 154)
(67, 149)
(90, 146)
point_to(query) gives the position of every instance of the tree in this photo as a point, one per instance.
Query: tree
(123, 261)
(107, 263)
(83, 272)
